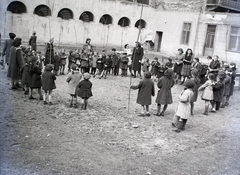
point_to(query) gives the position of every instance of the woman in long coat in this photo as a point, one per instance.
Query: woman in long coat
(137, 59)
(49, 54)
(164, 96)
(7, 46)
(15, 63)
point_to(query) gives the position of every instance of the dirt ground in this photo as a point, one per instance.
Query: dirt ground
(106, 139)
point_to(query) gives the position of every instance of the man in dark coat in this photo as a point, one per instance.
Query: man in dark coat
(15, 63)
(137, 59)
(33, 41)
(7, 45)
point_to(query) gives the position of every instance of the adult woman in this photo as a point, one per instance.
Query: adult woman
(178, 64)
(49, 52)
(187, 61)
(15, 62)
(137, 59)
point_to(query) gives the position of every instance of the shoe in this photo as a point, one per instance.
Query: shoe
(213, 110)
(222, 106)
(176, 130)
(157, 114)
(31, 97)
(161, 114)
(50, 103)
(44, 102)
(71, 105)
(205, 113)
(148, 115)
(41, 97)
(13, 88)
(141, 115)
(26, 92)
(226, 104)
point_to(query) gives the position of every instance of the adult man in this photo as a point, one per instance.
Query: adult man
(33, 41)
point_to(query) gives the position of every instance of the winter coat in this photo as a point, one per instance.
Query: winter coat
(73, 79)
(146, 90)
(114, 60)
(195, 88)
(63, 59)
(107, 63)
(84, 61)
(94, 61)
(164, 94)
(83, 89)
(48, 80)
(6, 49)
(184, 106)
(218, 89)
(33, 42)
(34, 76)
(232, 82)
(16, 63)
(137, 58)
(154, 68)
(25, 70)
(227, 82)
(100, 64)
(207, 88)
(145, 67)
(56, 62)
(49, 54)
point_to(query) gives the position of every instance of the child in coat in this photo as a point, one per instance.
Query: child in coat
(218, 89)
(63, 61)
(183, 111)
(124, 64)
(107, 65)
(207, 94)
(146, 90)
(145, 65)
(84, 62)
(48, 84)
(84, 90)
(227, 87)
(164, 96)
(94, 62)
(154, 68)
(196, 81)
(73, 79)
(34, 77)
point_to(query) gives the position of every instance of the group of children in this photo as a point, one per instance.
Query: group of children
(217, 91)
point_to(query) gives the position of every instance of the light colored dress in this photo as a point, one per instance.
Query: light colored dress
(207, 88)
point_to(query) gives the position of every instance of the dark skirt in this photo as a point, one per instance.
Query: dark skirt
(186, 70)
(84, 93)
(178, 68)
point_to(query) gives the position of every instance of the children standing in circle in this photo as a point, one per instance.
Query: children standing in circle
(84, 90)
(73, 79)
(146, 90)
(164, 96)
(207, 94)
(48, 83)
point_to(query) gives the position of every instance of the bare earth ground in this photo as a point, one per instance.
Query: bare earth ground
(105, 139)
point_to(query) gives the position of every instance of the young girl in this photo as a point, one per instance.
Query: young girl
(63, 58)
(84, 89)
(178, 64)
(124, 64)
(99, 66)
(227, 87)
(207, 94)
(196, 81)
(183, 111)
(218, 89)
(145, 65)
(94, 62)
(164, 96)
(187, 61)
(34, 77)
(48, 83)
(146, 90)
(73, 79)
(84, 61)
(154, 69)
(26, 57)
(107, 65)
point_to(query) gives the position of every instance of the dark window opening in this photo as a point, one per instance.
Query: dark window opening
(124, 22)
(42, 10)
(17, 7)
(140, 24)
(86, 17)
(65, 14)
(106, 19)
(143, 1)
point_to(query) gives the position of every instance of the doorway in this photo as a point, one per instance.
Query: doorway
(158, 41)
(209, 42)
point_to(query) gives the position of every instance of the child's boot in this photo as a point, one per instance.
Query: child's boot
(179, 126)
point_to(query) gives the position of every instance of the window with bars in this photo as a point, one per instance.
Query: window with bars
(186, 33)
(234, 39)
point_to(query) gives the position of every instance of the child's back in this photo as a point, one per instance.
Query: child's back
(73, 79)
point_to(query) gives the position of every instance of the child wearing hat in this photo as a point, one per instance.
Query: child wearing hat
(183, 111)
(73, 78)
(146, 90)
(48, 83)
(84, 89)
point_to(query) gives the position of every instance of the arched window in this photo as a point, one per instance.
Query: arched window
(124, 22)
(65, 14)
(42, 10)
(140, 23)
(106, 19)
(86, 16)
(17, 7)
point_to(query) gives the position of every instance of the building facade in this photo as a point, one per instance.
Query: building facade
(209, 27)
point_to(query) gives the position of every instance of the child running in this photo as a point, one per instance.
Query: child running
(146, 90)
(48, 84)
(84, 90)
(183, 111)
(73, 79)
